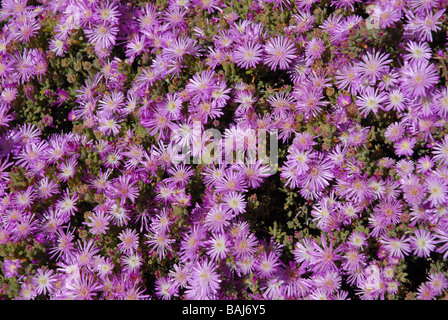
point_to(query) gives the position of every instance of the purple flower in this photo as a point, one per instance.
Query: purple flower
(248, 55)
(10, 267)
(205, 281)
(44, 281)
(218, 246)
(396, 247)
(370, 101)
(418, 77)
(422, 242)
(279, 53)
(405, 146)
(267, 264)
(314, 49)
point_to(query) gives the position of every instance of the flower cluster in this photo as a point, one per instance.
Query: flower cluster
(134, 153)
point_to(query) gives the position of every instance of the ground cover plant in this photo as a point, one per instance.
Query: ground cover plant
(217, 149)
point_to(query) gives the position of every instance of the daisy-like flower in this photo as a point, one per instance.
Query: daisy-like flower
(180, 175)
(405, 147)
(172, 106)
(418, 78)
(162, 221)
(218, 246)
(413, 189)
(215, 57)
(304, 21)
(99, 223)
(373, 64)
(136, 46)
(165, 288)
(86, 253)
(67, 204)
(314, 49)
(206, 110)
(357, 239)
(349, 78)
(299, 69)
(286, 124)
(11, 267)
(254, 171)
(319, 173)
(305, 252)
(104, 267)
(174, 16)
(235, 202)
(180, 274)
(267, 264)
(217, 219)
(201, 85)
(25, 227)
(422, 242)
(107, 12)
(64, 247)
(8, 94)
(387, 15)
(111, 102)
(349, 211)
(84, 287)
(119, 214)
(248, 55)
(437, 190)
(181, 46)
(244, 246)
(428, 23)
(279, 53)
(438, 282)
(212, 174)
(231, 181)
(281, 102)
(67, 169)
(326, 256)
(160, 243)
(209, 5)
(132, 262)
(441, 102)
(148, 17)
(421, 6)
(25, 65)
(309, 101)
(6, 68)
(345, 4)
(147, 77)
(205, 280)
(102, 35)
(125, 188)
(396, 247)
(417, 51)
(370, 101)
(404, 167)
(305, 5)
(27, 26)
(440, 151)
(424, 164)
(425, 292)
(27, 292)
(389, 212)
(44, 281)
(328, 282)
(395, 131)
(24, 198)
